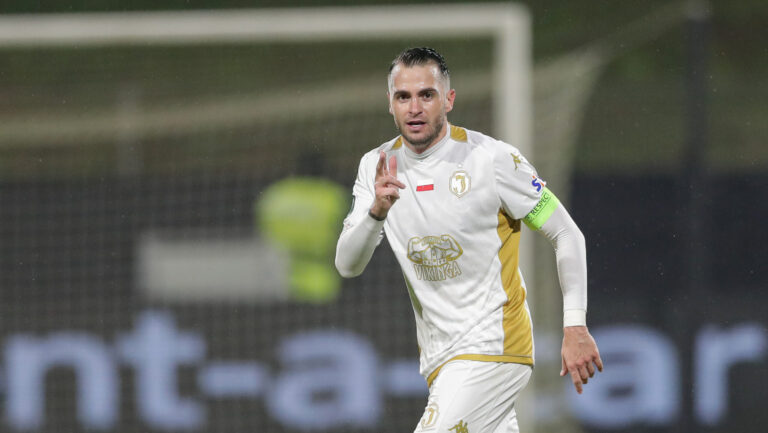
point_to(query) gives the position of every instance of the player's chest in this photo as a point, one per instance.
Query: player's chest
(446, 193)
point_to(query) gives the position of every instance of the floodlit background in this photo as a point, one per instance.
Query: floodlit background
(169, 213)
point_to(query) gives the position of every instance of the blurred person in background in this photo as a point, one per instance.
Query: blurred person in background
(451, 202)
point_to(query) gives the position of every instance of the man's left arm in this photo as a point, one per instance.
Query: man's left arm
(525, 196)
(579, 353)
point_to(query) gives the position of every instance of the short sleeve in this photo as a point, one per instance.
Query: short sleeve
(517, 183)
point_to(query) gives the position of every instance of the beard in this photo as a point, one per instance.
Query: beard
(421, 144)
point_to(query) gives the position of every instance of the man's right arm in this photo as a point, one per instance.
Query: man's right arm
(363, 226)
(360, 236)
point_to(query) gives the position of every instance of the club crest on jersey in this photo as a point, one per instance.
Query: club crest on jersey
(434, 257)
(459, 183)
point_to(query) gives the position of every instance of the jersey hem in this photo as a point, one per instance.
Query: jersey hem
(514, 359)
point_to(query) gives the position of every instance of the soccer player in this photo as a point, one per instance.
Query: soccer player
(451, 202)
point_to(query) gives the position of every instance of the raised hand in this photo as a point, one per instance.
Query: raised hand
(578, 354)
(386, 186)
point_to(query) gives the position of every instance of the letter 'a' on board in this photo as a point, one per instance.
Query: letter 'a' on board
(542, 211)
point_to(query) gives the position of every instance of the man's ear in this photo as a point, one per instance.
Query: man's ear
(389, 102)
(449, 98)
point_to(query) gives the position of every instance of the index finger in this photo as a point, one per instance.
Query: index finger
(393, 166)
(599, 363)
(381, 166)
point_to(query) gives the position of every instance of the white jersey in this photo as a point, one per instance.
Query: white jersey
(455, 232)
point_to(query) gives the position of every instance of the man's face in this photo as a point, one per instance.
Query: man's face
(419, 102)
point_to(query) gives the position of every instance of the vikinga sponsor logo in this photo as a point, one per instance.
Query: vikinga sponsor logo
(434, 257)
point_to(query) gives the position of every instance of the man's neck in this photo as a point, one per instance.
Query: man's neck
(421, 149)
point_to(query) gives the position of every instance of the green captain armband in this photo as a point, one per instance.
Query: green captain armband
(542, 211)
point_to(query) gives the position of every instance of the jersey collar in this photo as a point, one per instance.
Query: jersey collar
(437, 146)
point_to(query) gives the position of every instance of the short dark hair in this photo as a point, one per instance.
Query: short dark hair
(421, 56)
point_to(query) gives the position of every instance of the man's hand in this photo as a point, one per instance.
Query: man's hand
(386, 185)
(578, 354)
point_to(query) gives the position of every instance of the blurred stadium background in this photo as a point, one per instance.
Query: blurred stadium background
(169, 211)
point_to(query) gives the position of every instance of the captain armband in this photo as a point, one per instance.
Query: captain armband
(542, 211)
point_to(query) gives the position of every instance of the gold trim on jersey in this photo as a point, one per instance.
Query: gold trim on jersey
(516, 359)
(458, 133)
(518, 335)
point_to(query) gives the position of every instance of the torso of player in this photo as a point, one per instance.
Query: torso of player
(444, 231)
(448, 209)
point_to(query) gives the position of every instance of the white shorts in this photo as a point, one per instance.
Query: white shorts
(474, 397)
